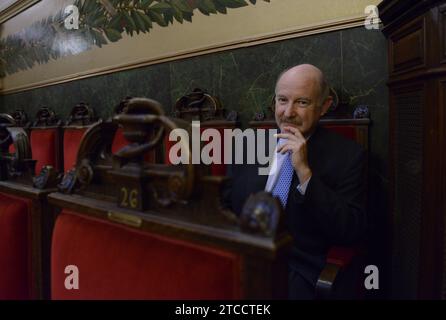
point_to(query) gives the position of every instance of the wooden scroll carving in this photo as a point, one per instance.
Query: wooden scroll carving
(20, 118)
(19, 164)
(201, 106)
(261, 215)
(46, 117)
(186, 191)
(121, 107)
(48, 177)
(81, 115)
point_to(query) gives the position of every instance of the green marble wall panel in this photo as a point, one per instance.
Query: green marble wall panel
(353, 60)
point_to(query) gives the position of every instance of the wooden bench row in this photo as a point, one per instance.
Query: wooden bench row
(135, 227)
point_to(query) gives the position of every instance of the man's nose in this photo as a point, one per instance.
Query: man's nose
(289, 111)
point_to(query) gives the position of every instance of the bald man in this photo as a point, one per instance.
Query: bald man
(320, 182)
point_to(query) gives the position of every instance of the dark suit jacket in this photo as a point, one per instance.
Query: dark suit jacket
(332, 211)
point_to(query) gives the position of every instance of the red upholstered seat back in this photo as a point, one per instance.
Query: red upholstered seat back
(119, 142)
(348, 131)
(44, 148)
(118, 262)
(15, 248)
(343, 256)
(71, 142)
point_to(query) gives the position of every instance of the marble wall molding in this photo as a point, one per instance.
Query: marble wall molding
(304, 31)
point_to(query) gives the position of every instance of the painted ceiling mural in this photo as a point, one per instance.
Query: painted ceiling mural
(99, 22)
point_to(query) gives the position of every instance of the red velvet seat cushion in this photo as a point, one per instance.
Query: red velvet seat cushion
(44, 148)
(117, 262)
(71, 142)
(15, 248)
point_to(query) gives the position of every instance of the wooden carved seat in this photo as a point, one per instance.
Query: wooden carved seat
(82, 116)
(21, 120)
(127, 263)
(45, 138)
(119, 140)
(208, 110)
(138, 230)
(16, 273)
(28, 192)
(20, 272)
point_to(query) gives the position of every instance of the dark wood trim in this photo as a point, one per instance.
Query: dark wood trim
(24, 190)
(432, 224)
(393, 13)
(421, 74)
(440, 23)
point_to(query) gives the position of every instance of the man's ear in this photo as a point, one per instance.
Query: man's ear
(326, 105)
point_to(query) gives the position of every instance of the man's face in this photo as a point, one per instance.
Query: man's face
(298, 102)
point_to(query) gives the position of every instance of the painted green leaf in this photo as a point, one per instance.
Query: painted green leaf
(178, 14)
(130, 24)
(97, 27)
(235, 3)
(99, 21)
(161, 5)
(113, 35)
(158, 18)
(140, 26)
(206, 6)
(168, 17)
(146, 3)
(188, 16)
(99, 38)
(146, 20)
(181, 5)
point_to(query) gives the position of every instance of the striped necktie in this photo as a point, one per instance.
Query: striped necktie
(283, 183)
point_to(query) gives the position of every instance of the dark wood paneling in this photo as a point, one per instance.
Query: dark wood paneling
(442, 28)
(407, 104)
(417, 65)
(441, 154)
(407, 47)
(432, 221)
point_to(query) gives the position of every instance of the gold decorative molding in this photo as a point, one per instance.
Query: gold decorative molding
(15, 8)
(313, 29)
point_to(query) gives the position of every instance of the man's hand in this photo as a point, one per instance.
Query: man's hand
(297, 145)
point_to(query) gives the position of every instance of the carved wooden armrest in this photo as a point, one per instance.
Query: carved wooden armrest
(325, 282)
(339, 260)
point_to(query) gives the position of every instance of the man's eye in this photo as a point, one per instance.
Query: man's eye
(282, 100)
(303, 102)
